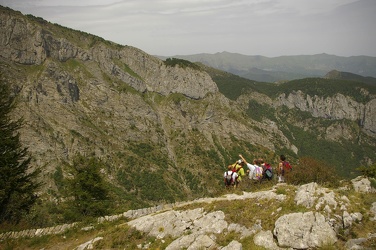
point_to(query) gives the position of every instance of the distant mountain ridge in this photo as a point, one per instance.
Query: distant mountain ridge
(284, 68)
(334, 74)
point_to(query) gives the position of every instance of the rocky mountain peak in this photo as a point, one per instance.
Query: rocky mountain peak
(32, 43)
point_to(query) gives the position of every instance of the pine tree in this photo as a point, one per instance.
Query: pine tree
(88, 187)
(17, 181)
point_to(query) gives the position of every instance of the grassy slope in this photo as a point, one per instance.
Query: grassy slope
(118, 234)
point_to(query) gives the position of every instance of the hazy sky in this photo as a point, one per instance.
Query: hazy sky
(251, 27)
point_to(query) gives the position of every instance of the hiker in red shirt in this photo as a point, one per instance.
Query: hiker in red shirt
(283, 168)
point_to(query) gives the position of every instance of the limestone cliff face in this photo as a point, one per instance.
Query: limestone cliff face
(335, 107)
(29, 43)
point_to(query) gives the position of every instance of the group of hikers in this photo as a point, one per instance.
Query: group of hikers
(259, 170)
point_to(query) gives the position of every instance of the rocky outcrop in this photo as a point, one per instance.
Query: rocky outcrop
(31, 233)
(266, 240)
(335, 107)
(362, 185)
(196, 228)
(358, 243)
(176, 224)
(373, 211)
(304, 230)
(30, 43)
(311, 195)
(89, 244)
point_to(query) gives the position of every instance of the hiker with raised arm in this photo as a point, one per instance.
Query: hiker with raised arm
(254, 171)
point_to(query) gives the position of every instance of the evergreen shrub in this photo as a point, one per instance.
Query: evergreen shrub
(368, 171)
(18, 185)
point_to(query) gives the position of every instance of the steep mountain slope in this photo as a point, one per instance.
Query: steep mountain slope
(162, 132)
(165, 130)
(283, 68)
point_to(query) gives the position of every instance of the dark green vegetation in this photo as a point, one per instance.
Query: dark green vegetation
(232, 86)
(18, 183)
(90, 195)
(172, 62)
(335, 74)
(368, 171)
(312, 170)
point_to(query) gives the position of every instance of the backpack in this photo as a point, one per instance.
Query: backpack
(268, 171)
(236, 168)
(268, 174)
(287, 166)
(258, 172)
(229, 180)
(267, 166)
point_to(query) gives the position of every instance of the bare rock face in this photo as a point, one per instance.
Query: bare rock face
(362, 185)
(166, 80)
(370, 114)
(311, 195)
(306, 195)
(233, 245)
(265, 239)
(373, 211)
(191, 228)
(336, 107)
(303, 230)
(27, 43)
